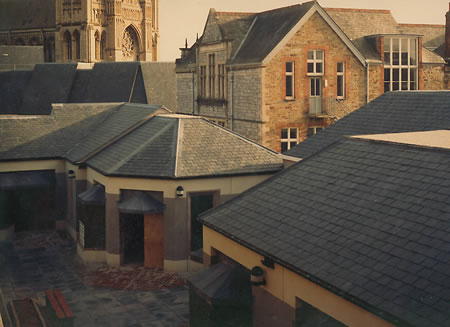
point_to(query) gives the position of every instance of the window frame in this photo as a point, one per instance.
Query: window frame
(392, 67)
(288, 140)
(221, 80)
(289, 75)
(315, 130)
(315, 62)
(212, 75)
(202, 87)
(340, 75)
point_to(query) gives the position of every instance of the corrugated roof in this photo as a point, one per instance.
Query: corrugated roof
(366, 220)
(392, 112)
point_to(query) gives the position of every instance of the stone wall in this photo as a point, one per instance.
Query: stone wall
(433, 77)
(279, 113)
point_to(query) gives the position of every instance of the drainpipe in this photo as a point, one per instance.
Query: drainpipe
(193, 93)
(232, 99)
(367, 90)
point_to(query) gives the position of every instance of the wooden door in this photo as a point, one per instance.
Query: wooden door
(154, 240)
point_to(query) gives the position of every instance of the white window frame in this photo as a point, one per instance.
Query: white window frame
(315, 61)
(314, 129)
(289, 139)
(390, 66)
(290, 74)
(340, 75)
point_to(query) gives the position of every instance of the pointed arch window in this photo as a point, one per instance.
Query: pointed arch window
(68, 45)
(103, 46)
(130, 45)
(97, 45)
(76, 41)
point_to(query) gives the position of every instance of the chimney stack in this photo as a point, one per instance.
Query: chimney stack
(447, 35)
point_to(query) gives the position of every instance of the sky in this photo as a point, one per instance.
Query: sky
(181, 19)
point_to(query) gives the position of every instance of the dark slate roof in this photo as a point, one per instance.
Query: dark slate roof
(23, 14)
(119, 120)
(369, 221)
(160, 76)
(13, 84)
(94, 195)
(133, 140)
(141, 203)
(112, 82)
(390, 113)
(50, 83)
(176, 146)
(268, 30)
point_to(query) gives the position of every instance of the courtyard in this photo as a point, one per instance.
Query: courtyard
(98, 295)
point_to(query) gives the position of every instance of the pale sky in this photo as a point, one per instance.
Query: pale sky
(181, 19)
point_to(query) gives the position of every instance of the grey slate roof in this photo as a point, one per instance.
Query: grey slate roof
(23, 14)
(32, 93)
(268, 30)
(369, 221)
(390, 113)
(183, 147)
(133, 140)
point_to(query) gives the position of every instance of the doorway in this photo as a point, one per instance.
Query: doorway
(315, 99)
(199, 203)
(132, 238)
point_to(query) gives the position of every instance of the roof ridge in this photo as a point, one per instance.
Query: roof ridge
(140, 147)
(286, 7)
(375, 11)
(178, 146)
(235, 13)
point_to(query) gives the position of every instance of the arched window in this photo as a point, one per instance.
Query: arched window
(103, 46)
(130, 45)
(49, 49)
(34, 41)
(20, 41)
(68, 45)
(76, 40)
(97, 45)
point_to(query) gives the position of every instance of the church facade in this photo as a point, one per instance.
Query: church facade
(83, 30)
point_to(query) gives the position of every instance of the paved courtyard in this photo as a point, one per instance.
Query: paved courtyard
(97, 295)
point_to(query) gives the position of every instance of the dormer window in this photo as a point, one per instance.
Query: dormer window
(400, 64)
(315, 62)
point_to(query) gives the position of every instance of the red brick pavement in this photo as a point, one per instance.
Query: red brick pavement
(133, 278)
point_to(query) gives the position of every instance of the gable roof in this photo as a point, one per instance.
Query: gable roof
(367, 220)
(33, 93)
(392, 112)
(134, 140)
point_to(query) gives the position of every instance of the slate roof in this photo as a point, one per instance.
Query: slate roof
(32, 93)
(23, 14)
(133, 140)
(369, 221)
(392, 112)
(176, 146)
(256, 35)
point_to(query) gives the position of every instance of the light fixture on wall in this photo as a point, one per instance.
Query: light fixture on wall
(180, 191)
(71, 174)
(257, 276)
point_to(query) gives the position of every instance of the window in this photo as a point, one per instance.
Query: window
(212, 75)
(76, 37)
(290, 80)
(203, 81)
(289, 138)
(218, 122)
(314, 130)
(315, 62)
(221, 81)
(340, 92)
(68, 45)
(97, 45)
(103, 46)
(400, 64)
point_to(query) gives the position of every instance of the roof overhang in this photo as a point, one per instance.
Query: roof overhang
(141, 203)
(94, 196)
(316, 8)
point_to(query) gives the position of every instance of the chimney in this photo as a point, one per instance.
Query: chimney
(447, 35)
(185, 50)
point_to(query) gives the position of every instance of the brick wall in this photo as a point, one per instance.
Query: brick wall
(278, 112)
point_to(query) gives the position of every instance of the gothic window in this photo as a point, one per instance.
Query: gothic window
(20, 41)
(130, 45)
(68, 45)
(103, 46)
(50, 50)
(97, 45)
(76, 40)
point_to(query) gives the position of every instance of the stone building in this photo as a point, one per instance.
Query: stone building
(281, 75)
(83, 30)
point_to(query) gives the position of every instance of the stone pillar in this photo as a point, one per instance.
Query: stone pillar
(112, 233)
